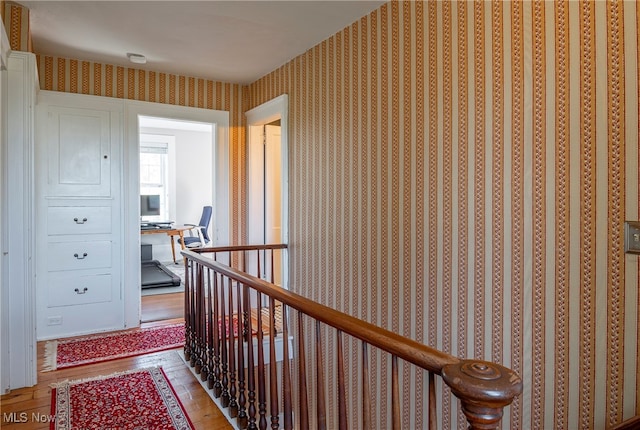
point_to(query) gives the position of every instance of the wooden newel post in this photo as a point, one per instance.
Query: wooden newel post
(484, 389)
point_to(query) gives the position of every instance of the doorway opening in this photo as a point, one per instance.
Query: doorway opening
(176, 182)
(267, 184)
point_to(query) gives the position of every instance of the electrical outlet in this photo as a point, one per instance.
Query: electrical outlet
(632, 237)
(57, 320)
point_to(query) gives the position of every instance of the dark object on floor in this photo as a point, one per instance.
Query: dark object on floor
(146, 252)
(155, 274)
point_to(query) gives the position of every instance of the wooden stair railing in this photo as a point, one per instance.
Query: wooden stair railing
(239, 340)
(632, 423)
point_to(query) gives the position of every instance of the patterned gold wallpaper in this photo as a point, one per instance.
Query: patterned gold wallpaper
(16, 23)
(460, 173)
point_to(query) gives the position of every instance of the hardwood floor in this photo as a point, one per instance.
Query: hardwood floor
(162, 307)
(37, 400)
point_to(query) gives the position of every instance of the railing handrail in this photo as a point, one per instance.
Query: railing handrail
(483, 387)
(233, 248)
(407, 349)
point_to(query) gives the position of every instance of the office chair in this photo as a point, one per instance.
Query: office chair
(202, 236)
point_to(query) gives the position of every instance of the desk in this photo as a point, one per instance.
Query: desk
(176, 230)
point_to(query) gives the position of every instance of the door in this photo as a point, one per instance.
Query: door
(264, 224)
(272, 181)
(79, 146)
(267, 181)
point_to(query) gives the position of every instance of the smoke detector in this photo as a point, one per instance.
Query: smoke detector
(137, 58)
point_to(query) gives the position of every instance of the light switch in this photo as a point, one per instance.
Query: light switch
(632, 237)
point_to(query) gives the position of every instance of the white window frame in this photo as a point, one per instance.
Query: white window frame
(149, 145)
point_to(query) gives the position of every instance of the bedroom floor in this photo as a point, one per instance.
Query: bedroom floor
(163, 303)
(162, 307)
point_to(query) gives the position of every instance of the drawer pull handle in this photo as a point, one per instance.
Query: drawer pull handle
(84, 255)
(78, 221)
(84, 290)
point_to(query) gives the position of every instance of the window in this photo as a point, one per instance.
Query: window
(154, 174)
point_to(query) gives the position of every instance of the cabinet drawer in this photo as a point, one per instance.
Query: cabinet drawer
(78, 220)
(79, 255)
(68, 289)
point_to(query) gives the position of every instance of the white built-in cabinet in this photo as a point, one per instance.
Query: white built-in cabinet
(79, 142)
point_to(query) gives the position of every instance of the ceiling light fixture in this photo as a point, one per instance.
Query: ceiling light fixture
(137, 58)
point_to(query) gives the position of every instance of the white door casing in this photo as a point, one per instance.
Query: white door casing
(267, 169)
(220, 231)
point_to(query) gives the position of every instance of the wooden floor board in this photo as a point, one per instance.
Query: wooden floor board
(161, 307)
(37, 400)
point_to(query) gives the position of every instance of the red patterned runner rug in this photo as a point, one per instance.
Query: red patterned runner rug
(110, 346)
(139, 399)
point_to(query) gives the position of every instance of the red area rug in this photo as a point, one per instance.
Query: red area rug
(110, 346)
(140, 399)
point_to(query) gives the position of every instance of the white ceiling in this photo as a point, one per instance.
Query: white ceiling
(230, 41)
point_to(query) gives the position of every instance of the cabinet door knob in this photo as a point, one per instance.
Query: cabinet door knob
(84, 254)
(84, 290)
(78, 221)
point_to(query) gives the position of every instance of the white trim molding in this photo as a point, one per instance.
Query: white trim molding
(4, 47)
(273, 110)
(17, 244)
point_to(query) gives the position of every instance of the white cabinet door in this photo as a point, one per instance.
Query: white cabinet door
(79, 146)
